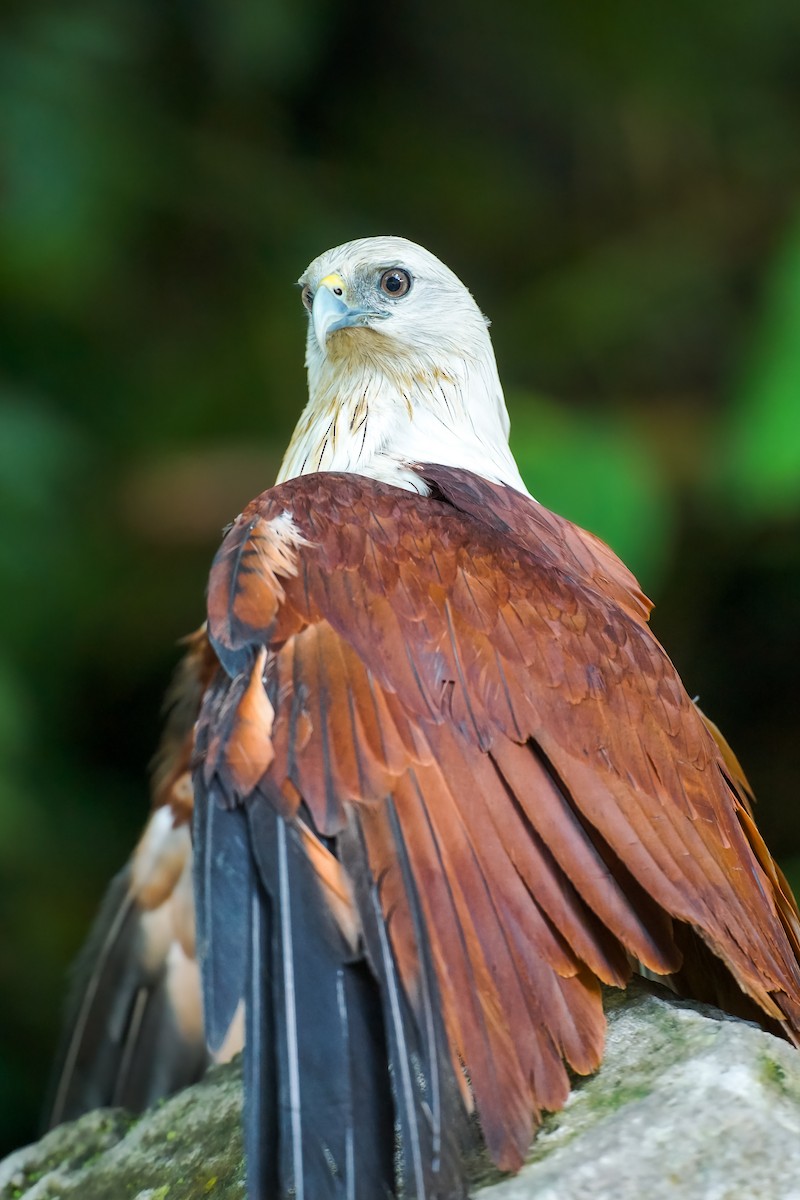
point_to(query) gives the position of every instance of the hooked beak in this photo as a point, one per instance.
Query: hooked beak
(330, 310)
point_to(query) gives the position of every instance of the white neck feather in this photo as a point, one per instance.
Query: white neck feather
(377, 414)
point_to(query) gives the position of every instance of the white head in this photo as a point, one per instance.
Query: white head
(400, 369)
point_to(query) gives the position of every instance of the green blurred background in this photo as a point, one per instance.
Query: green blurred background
(616, 182)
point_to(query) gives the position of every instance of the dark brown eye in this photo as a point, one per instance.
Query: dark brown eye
(308, 297)
(395, 282)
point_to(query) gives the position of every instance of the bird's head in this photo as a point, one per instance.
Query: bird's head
(392, 302)
(400, 368)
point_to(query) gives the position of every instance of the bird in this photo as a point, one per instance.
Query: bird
(434, 784)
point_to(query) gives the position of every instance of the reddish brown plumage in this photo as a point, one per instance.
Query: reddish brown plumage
(565, 807)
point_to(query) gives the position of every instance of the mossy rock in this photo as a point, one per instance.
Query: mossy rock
(688, 1105)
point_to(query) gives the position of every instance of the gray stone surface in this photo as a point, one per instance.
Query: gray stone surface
(187, 1148)
(687, 1106)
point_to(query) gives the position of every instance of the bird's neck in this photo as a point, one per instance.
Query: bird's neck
(369, 418)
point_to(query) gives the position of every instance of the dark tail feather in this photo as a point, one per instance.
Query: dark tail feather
(317, 1074)
(126, 1040)
(434, 1131)
(223, 884)
(260, 1068)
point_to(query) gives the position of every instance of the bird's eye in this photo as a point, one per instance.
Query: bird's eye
(395, 282)
(308, 297)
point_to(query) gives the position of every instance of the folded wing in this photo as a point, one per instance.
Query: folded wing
(457, 701)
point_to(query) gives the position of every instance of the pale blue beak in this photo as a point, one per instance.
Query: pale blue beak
(330, 311)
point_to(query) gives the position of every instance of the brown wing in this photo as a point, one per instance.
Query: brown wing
(134, 1025)
(474, 679)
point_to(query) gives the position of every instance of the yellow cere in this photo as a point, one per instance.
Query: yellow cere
(334, 282)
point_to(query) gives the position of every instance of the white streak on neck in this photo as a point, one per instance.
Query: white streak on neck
(375, 411)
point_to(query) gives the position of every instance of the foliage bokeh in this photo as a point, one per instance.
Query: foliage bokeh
(617, 183)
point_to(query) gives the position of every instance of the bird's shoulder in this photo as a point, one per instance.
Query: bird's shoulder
(300, 544)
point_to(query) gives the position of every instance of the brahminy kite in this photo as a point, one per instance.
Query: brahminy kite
(441, 780)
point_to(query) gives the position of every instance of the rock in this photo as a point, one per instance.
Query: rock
(689, 1105)
(182, 1149)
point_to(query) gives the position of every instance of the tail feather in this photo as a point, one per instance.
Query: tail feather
(223, 882)
(260, 1068)
(317, 1068)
